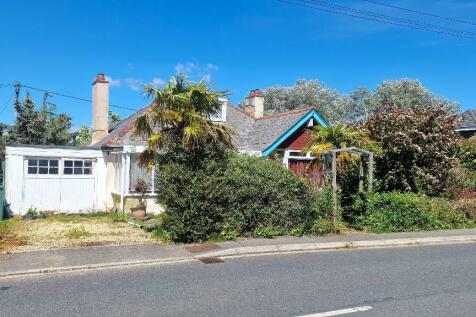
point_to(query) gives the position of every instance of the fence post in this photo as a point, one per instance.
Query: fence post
(371, 172)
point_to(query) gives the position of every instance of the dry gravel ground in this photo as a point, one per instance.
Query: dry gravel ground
(74, 231)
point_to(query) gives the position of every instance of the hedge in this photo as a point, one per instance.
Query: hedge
(396, 212)
(247, 196)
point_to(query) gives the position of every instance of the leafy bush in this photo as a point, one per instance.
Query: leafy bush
(322, 226)
(237, 195)
(395, 212)
(467, 153)
(261, 193)
(466, 206)
(419, 148)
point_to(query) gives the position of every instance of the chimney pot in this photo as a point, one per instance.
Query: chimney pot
(254, 103)
(100, 78)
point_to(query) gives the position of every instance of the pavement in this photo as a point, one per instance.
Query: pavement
(106, 257)
(434, 281)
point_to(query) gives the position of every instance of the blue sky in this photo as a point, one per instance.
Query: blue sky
(238, 45)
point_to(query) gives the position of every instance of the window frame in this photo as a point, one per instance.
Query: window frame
(128, 190)
(74, 167)
(60, 167)
(38, 166)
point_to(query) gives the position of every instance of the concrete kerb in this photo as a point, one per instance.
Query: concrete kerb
(323, 246)
(98, 266)
(253, 251)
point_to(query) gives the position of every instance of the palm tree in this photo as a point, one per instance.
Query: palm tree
(180, 113)
(339, 136)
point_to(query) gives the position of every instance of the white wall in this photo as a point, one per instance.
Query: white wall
(48, 189)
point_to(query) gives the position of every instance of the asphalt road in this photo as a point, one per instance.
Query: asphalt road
(414, 281)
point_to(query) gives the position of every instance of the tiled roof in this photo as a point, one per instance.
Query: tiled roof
(469, 120)
(250, 133)
(256, 134)
(123, 132)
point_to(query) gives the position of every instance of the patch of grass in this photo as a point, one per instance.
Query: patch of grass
(77, 233)
(266, 232)
(6, 227)
(94, 216)
(217, 238)
(66, 218)
(8, 238)
(161, 234)
(119, 217)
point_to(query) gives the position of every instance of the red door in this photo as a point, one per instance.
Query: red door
(304, 168)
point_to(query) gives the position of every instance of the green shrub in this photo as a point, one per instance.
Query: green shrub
(322, 226)
(467, 207)
(189, 183)
(236, 195)
(467, 153)
(261, 193)
(395, 212)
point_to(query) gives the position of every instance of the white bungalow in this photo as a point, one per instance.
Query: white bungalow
(102, 175)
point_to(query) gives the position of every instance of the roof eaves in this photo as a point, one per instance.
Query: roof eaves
(312, 113)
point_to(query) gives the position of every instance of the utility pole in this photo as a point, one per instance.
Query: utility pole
(17, 87)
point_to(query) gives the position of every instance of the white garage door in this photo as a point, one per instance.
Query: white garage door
(59, 184)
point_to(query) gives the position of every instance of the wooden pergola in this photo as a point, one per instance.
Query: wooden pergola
(370, 165)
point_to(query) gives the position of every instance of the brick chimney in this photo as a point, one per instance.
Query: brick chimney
(100, 108)
(254, 103)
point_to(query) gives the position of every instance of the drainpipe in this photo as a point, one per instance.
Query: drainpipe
(123, 182)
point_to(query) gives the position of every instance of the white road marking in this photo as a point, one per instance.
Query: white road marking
(340, 312)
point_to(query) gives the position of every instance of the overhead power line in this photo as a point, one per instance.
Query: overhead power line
(389, 17)
(9, 100)
(69, 96)
(420, 12)
(376, 17)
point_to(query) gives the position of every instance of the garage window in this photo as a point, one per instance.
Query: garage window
(43, 167)
(78, 167)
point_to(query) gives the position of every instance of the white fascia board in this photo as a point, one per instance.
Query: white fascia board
(134, 148)
(53, 152)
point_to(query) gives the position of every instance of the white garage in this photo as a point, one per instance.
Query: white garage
(55, 178)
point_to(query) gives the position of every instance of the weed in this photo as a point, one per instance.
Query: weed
(32, 213)
(76, 233)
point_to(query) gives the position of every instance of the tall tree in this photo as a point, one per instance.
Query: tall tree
(3, 139)
(39, 126)
(359, 104)
(328, 102)
(407, 93)
(83, 135)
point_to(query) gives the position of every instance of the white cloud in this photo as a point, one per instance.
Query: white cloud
(113, 82)
(157, 81)
(134, 83)
(195, 70)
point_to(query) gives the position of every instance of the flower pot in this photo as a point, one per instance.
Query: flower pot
(138, 212)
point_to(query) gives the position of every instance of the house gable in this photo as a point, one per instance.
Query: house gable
(311, 114)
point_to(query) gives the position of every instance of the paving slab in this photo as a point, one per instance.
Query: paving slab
(86, 256)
